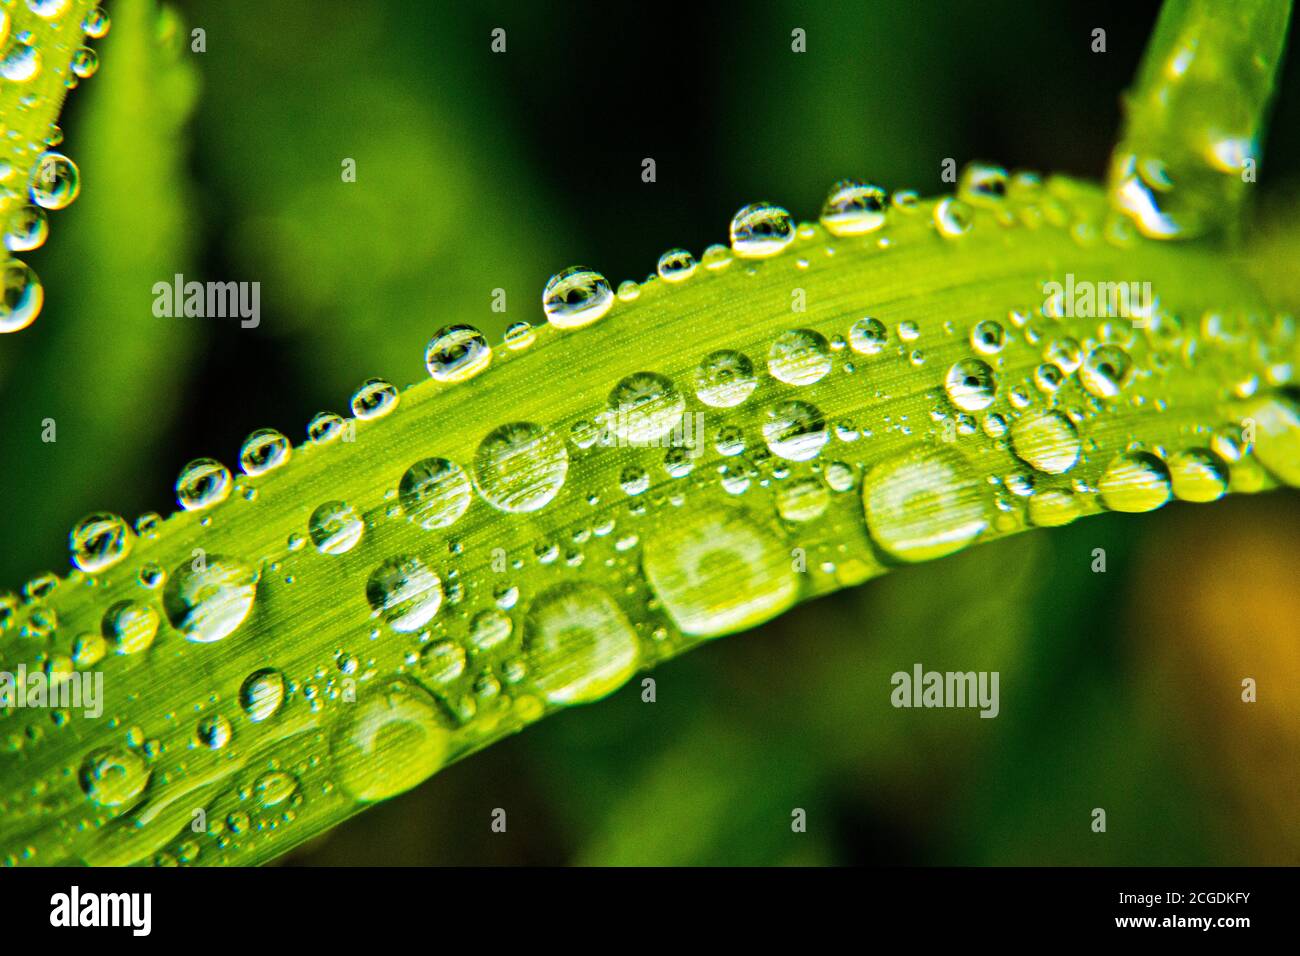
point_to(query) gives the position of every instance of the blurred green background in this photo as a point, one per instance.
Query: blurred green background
(478, 171)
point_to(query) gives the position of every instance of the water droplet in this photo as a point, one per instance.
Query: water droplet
(374, 399)
(519, 335)
(1198, 475)
(213, 732)
(867, 336)
(207, 600)
(405, 592)
(1106, 371)
(21, 296)
(262, 694)
(970, 385)
(27, 229)
(988, 337)
(264, 450)
(49, 9)
(795, 431)
(388, 742)
(644, 407)
(1048, 441)
(1065, 353)
(983, 184)
(85, 62)
(1053, 507)
(130, 627)
(924, 504)
(952, 217)
(457, 353)
(520, 467)
(1277, 435)
(203, 483)
(575, 297)
(434, 493)
(799, 357)
(21, 62)
(325, 427)
(760, 230)
(489, 629)
(578, 644)
(335, 527)
(802, 499)
(724, 379)
(634, 480)
(113, 777)
(96, 23)
(443, 662)
(853, 208)
(99, 541)
(676, 265)
(55, 181)
(273, 789)
(720, 570)
(1136, 481)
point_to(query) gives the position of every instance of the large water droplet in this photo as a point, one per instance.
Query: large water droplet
(970, 385)
(1198, 475)
(720, 571)
(1277, 435)
(868, 336)
(1136, 481)
(21, 61)
(206, 600)
(854, 208)
(203, 483)
(1106, 371)
(456, 353)
(578, 644)
(264, 450)
(21, 296)
(795, 431)
(130, 627)
(802, 499)
(335, 527)
(405, 592)
(924, 504)
(644, 407)
(99, 541)
(520, 467)
(724, 379)
(434, 493)
(55, 181)
(374, 399)
(760, 230)
(113, 777)
(799, 357)
(262, 694)
(575, 297)
(27, 229)
(388, 742)
(1049, 441)
(676, 265)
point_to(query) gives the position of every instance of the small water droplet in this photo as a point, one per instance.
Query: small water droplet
(799, 357)
(970, 385)
(264, 450)
(724, 379)
(262, 694)
(676, 265)
(374, 399)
